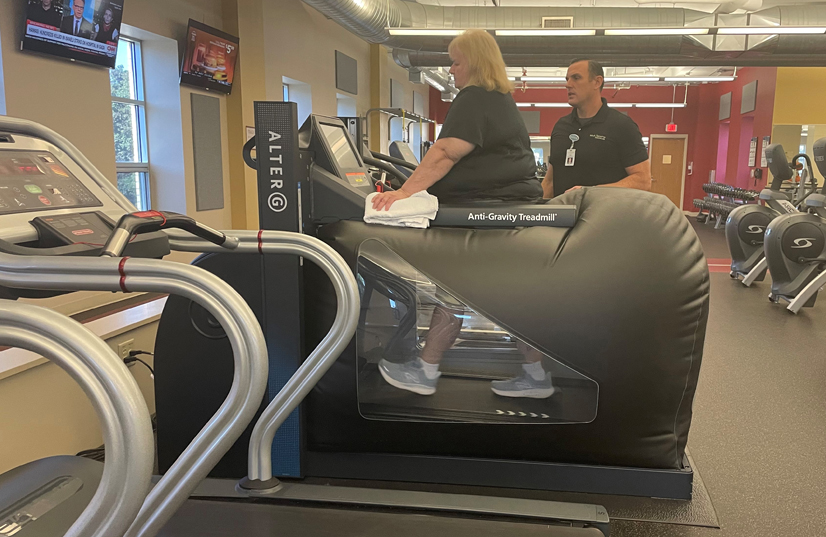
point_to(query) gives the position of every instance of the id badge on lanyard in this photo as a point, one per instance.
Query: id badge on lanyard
(570, 154)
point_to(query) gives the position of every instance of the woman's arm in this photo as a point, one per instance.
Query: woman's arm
(441, 157)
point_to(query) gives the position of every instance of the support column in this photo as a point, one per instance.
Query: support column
(377, 72)
(244, 18)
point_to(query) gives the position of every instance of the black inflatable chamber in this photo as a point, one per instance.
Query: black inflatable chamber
(622, 297)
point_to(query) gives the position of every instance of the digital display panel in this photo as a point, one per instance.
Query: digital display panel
(209, 60)
(83, 30)
(339, 142)
(37, 181)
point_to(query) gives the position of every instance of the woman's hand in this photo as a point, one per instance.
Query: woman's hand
(384, 200)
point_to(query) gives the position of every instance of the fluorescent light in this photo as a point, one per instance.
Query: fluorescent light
(660, 105)
(523, 105)
(656, 31)
(772, 30)
(542, 79)
(423, 31)
(699, 78)
(620, 105)
(540, 138)
(433, 82)
(551, 105)
(541, 32)
(632, 79)
(512, 78)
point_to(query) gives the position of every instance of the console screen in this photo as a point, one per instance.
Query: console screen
(339, 142)
(37, 181)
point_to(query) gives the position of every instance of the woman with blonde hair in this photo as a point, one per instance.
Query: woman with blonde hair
(483, 151)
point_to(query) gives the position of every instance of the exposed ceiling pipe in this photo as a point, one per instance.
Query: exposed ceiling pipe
(370, 20)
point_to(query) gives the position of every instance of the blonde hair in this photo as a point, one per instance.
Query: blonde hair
(485, 64)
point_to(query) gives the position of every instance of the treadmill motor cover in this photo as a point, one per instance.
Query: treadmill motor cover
(617, 306)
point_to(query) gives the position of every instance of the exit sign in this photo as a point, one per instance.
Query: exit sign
(671, 127)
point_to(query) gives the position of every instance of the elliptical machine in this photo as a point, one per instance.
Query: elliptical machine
(746, 225)
(795, 248)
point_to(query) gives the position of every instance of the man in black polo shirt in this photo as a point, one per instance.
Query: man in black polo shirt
(594, 144)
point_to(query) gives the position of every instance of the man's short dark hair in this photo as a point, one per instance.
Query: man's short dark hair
(594, 69)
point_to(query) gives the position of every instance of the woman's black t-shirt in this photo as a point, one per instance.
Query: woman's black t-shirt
(502, 164)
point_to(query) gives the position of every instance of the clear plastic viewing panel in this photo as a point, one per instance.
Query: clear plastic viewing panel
(474, 371)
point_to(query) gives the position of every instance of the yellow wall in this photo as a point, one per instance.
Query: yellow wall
(798, 98)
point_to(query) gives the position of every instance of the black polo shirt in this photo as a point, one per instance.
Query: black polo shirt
(501, 165)
(608, 143)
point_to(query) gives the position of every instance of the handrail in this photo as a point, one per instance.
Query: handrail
(217, 297)
(324, 355)
(117, 400)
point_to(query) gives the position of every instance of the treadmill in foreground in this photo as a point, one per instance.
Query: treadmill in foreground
(77, 216)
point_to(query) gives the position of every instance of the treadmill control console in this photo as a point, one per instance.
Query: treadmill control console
(91, 228)
(37, 181)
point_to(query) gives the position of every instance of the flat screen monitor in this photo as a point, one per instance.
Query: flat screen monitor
(339, 142)
(209, 59)
(82, 30)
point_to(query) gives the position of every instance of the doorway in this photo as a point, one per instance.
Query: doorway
(668, 154)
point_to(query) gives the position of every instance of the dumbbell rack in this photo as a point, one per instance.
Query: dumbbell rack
(720, 201)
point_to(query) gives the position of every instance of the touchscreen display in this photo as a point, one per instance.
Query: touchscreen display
(37, 181)
(340, 144)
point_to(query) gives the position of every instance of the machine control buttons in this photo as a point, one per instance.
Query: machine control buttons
(34, 189)
(44, 200)
(85, 231)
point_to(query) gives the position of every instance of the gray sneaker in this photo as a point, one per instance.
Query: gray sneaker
(408, 376)
(524, 386)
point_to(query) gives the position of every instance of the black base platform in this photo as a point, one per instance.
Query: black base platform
(646, 482)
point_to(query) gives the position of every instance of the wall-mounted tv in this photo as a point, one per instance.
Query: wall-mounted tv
(83, 30)
(209, 58)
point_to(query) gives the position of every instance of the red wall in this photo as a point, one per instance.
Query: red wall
(698, 120)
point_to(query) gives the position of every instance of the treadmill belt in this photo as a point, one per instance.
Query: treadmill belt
(203, 518)
(467, 399)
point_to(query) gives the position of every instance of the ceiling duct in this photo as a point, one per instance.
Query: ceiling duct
(370, 20)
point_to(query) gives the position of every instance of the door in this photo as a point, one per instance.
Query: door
(668, 166)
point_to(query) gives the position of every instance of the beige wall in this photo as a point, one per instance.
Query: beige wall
(45, 412)
(74, 99)
(300, 44)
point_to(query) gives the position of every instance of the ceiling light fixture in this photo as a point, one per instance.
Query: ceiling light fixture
(542, 79)
(424, 31)
(772, 30)
(545, 32)
(699, 78)
(659, 105)
(632, 79)
(433, 82)
(656, 31)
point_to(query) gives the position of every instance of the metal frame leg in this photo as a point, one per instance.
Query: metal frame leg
(806, 293)
(755, 272)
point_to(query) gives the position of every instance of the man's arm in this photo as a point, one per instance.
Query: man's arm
(438, 160)
(639, 177)
(548, 183)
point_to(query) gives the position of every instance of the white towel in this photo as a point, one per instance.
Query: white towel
(416, 211)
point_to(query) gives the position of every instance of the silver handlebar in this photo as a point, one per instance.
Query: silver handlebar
(117, 400)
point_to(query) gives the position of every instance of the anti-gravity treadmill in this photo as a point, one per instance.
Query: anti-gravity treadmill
(64, 227)
(610, 286)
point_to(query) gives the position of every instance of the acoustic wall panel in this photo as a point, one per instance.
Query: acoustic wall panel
(206, 146)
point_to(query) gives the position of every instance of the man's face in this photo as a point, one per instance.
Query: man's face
(47, 4)
(581, 87)
(77, 8)
(459, 69)
(107, 17)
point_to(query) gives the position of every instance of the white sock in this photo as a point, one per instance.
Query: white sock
(431, 371)
(534, 370)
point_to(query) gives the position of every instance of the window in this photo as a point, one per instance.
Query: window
(129, 121)
(286, 92)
